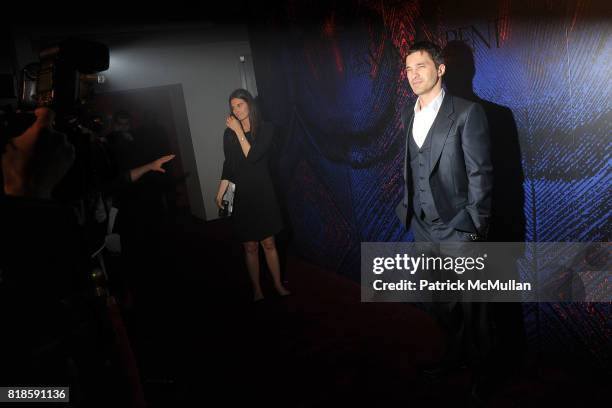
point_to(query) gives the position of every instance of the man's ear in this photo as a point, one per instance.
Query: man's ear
(441, 70)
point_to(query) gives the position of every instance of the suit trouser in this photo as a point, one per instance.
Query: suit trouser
(467, 325)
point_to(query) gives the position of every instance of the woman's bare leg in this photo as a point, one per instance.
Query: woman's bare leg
(251, 255)
(274, 264)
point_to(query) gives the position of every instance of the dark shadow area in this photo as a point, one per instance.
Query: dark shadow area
(320, 347)
(197, 337)
(508, 218)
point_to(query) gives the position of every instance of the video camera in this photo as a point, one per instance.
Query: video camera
(63, 81)
(64, 76)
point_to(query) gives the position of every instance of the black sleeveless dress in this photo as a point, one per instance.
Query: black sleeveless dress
(256, 214)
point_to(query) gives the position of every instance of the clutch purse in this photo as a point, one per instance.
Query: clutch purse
(228, 201)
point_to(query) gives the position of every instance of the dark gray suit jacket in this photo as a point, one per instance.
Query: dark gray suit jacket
(461, 174)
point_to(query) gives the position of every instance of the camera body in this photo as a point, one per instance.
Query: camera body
(64, 76)
(62, 81)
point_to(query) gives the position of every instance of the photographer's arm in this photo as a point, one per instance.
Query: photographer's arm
(155, 165)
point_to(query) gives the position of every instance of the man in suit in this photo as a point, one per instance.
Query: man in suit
(447, 197)
(447, 170)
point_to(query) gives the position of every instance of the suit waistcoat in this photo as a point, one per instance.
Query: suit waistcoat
(420, 163)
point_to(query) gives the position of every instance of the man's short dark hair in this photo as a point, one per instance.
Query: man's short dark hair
(432, 49)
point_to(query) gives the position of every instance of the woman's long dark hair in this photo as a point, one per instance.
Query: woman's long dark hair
(254, 117)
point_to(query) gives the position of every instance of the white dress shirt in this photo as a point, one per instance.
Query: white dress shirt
(424, 118)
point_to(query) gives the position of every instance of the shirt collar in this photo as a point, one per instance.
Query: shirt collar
(433, 106)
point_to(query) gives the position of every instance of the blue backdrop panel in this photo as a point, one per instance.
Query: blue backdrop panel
(331, 76)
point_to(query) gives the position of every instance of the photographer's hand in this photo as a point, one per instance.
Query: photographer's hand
(155, 165)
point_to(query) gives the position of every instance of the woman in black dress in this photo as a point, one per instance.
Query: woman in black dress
(256, 215)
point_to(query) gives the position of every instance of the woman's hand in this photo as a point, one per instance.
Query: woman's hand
(233, 123)
(219, 201)
(221, 192)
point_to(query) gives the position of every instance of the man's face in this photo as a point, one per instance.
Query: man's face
(122, 125)
(240, 108)
(422, 73)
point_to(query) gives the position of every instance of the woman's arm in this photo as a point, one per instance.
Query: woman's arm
(262, 143)
(227, 172)
(234, 125)
(244, 143)
(221, 192)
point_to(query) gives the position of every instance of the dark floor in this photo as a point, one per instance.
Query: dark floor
(200, 338)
